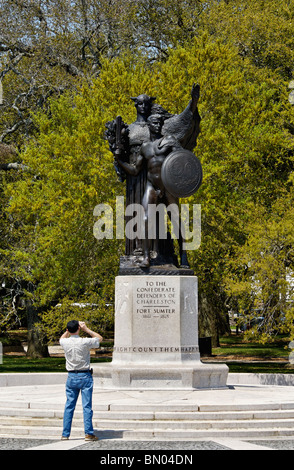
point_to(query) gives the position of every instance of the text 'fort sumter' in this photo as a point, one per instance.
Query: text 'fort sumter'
(156, 299)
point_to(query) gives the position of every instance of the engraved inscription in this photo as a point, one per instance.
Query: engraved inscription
(155, 299)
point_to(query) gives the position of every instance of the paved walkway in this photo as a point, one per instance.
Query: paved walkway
(113, 446)
(50, 396)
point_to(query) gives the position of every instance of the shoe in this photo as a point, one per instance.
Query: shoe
(64, 438)
(91, 437)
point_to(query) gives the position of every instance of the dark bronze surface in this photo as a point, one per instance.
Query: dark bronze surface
(153, 155)
(181, 173)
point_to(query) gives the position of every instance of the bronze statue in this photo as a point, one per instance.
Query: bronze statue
(141, 150)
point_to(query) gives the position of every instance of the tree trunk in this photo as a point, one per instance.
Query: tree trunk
(213, 320)
(37, 346)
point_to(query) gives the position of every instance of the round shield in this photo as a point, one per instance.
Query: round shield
(181, 173)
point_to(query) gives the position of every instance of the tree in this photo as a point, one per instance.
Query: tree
(247, 154)
(55, 44)
(260, 276)
(10, 287)
(243, 146)
(241, 54)
(49, 49)
(52, 210)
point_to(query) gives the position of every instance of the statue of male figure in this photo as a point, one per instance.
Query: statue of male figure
(154, 153)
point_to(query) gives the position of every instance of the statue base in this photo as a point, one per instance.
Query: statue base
(130, 266)
(156, 337)
(195, 376)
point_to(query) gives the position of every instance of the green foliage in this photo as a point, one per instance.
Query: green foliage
(261, 30)
(243, 65)
(260, 274)
(98, 316)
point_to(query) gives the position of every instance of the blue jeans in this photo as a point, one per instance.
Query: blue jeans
(76, 382)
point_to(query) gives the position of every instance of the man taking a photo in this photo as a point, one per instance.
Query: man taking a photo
(77, 355)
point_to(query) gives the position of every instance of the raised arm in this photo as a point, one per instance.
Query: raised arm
(87, 330)
(195, 94)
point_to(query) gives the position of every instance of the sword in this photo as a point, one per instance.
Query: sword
(118, 140)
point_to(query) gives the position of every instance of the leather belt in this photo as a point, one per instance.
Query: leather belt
(81, 371)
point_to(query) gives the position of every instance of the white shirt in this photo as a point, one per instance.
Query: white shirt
(77, 351)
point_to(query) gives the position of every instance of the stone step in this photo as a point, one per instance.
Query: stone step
(144, 434)
(205, 408)
(145, 422)
(41, 413)
(157, 415)
(154, 425)
(226, 415)
(155, 407)
(190, 434)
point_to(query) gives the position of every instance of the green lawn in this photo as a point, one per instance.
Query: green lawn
(48, 364)
(234, 345)
(268, 358)
(256, 358)
(258, 368)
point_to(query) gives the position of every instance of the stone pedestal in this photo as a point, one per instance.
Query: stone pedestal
(156, 337)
